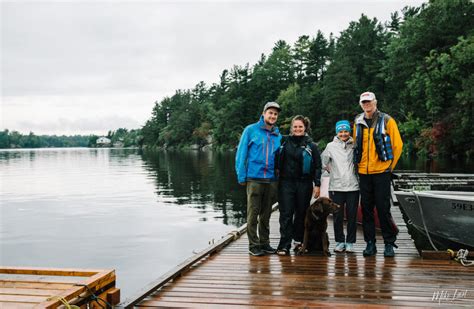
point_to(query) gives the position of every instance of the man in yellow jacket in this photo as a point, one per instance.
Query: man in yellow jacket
(378, 148)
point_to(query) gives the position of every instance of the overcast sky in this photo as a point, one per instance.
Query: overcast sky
(81, 67)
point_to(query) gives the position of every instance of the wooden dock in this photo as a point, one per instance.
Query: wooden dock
(57, 288)
(232, 278)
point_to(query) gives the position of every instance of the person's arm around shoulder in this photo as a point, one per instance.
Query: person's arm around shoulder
(396, 139)
(317, 170)
(241, 157)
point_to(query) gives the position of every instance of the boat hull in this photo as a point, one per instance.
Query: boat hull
(447, 217)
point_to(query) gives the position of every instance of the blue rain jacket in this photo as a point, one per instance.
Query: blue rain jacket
(255, 157)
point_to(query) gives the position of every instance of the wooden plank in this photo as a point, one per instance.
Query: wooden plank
(282, 302)
(15, 305)
(373, 291)
(48, 271)
(305, 282)
(347, 287)
(20, 291)
(321, 304)
(46, 280)
(34, 285)
(21, 299)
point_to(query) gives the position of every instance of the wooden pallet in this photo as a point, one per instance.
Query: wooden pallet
(27, 287)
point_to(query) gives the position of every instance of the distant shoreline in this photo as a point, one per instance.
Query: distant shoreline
(71, 147)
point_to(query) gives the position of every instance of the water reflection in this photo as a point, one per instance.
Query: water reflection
(139, 213)
(200, 179)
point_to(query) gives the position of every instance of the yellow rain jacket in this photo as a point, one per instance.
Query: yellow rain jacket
(370, 162)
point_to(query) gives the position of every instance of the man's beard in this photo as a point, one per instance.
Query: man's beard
(269, 124)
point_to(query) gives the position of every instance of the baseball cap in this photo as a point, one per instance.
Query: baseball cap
(271, 105)
(367, 96)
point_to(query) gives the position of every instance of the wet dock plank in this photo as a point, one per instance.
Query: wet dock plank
(232, 278)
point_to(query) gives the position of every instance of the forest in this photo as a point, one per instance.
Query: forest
(420, 65)
(14, 139)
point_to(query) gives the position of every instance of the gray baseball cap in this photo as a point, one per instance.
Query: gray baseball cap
(271, 105)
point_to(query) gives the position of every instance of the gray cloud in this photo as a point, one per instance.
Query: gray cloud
(106, 49)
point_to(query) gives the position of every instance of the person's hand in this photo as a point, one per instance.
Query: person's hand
(243, 183)
(316, 192)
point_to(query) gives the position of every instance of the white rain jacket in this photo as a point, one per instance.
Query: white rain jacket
(337, 159)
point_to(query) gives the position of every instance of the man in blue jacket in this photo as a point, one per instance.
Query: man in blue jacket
(255, 167)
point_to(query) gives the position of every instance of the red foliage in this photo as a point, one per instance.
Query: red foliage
(432, 138)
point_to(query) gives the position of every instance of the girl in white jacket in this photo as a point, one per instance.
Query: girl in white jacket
(337, 159)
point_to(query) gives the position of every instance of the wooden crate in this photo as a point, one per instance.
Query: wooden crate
(28, 287)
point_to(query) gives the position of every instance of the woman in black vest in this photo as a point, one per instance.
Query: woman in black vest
(298, 163)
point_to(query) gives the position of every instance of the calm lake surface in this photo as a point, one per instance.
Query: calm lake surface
(138, 213)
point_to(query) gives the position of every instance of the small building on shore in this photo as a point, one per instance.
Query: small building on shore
(103, 142)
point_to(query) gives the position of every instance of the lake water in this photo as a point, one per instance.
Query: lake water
(138, 213)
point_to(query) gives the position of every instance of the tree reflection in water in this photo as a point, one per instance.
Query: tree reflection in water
(204, 179)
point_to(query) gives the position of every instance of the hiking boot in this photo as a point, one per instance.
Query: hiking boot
(371, 249)
(255, 251)
(349, 247)
(340, 247)
(389, 252)
(267, 249)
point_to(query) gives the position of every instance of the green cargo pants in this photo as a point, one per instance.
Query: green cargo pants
(260, 198)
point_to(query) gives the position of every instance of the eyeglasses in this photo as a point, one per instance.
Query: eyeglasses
(363, 102)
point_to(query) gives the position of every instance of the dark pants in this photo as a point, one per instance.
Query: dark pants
(351, 202)
(375, 191)
(260, 198)
(293, 201)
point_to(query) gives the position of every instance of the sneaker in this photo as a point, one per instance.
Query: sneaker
(255, 251)
(349, 247)
(267, 249)
(388, 252)
(283, 252)
(371, 249)
(340, 247)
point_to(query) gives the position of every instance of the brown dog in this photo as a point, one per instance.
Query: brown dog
(315, 225)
